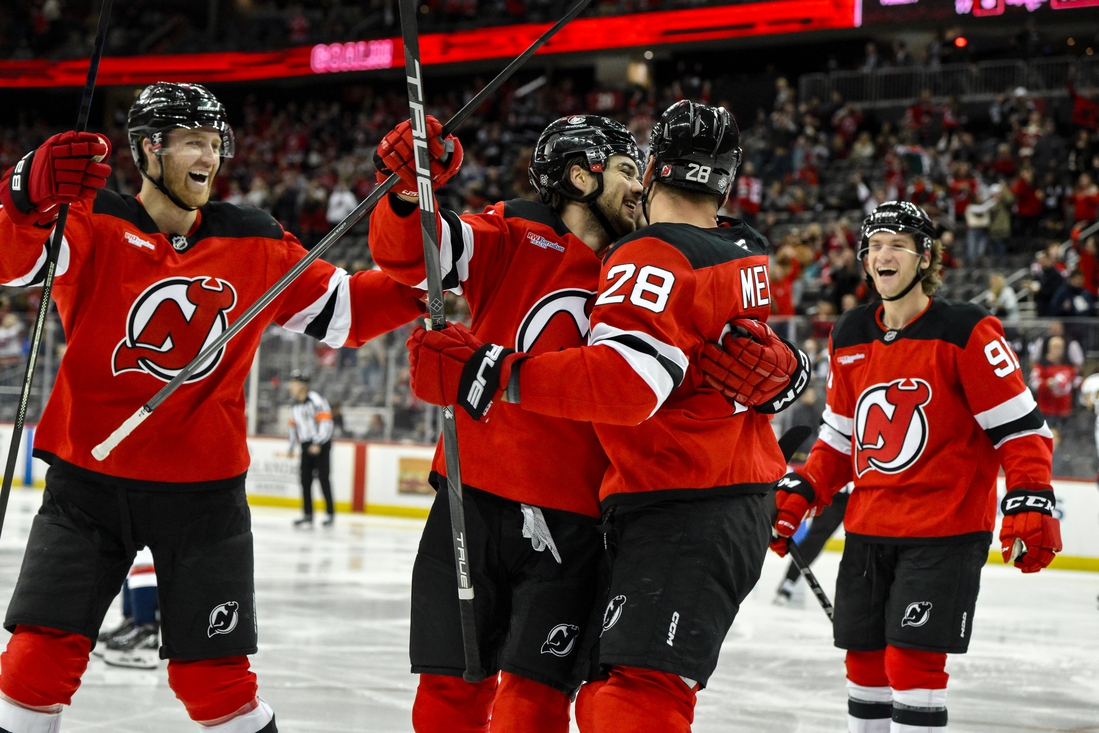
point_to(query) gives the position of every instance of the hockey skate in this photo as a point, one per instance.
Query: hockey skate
(139, 648)
(305, 522)
(125, 627)
(329, 520)
(790, 593)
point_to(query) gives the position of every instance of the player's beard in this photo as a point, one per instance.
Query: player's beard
(176, 180)
(622, 221)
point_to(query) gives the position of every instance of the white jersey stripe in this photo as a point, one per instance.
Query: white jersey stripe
(1010, 410)
(840, 423)
(450, 224)
(339, 325)
(834, 438)
(1042, 432)
(648, 366)
(62, 264)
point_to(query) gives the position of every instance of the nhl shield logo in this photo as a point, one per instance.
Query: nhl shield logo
(223, 619)
(891, 426)
(561, 640)
(171, 323)
(917, 614)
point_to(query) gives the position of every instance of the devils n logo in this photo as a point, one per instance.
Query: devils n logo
(890, 426)
(171, 323)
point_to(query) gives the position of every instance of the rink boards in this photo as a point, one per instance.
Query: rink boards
(391, 478)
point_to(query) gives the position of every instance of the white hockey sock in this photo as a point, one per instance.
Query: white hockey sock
(919, 711)
(251, 722)
(869, 709)
(16, 718)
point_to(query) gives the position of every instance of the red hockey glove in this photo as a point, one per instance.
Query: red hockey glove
(752, 364)
(1029, 522)
(62, 170)
(453, 367)
(396, 154)
(794, 499)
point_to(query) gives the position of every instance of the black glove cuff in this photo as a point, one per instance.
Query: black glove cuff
(795, 483)
(1017, 501)
(401, 207)
(19, 184)
(799, 382)
(481, 379)
(512, 390)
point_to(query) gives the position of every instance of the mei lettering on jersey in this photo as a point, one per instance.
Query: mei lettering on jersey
(755, 288)
(171, 323)
(891, 426)
(138, 241)
(539, 241)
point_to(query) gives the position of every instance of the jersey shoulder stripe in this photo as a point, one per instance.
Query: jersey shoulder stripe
(220, 219)
(703, 247)
(128, 208)
(537, 213)
(951, 321)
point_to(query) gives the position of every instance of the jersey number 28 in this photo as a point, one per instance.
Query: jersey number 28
(650, 289)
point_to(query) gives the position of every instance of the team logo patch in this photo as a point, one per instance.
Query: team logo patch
(559, 320)
(576, 120)
(613, 612)
(171, 323)
(562, 638)
(848, 359)
(223, 619)
(891, 426)
(917, 614)
(665, 171)
(539, 241)
(138, 241)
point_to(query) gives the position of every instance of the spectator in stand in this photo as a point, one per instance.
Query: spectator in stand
(1072, 299)
(963, 186)
(749, 194)
(1053, 196)
(953, 114)
(782, 279)
(1004, 165)
(341, 202)
(841, 276)
(1000, 300)
(977, 220)
(1089, 264)
(1053, 381)
(1056, 329)
(1047, 281)
(919, 117)
(1028, 202)
(872, 61)
(1085, 200)
(11, 339)
(1082, 151)
(999, 224)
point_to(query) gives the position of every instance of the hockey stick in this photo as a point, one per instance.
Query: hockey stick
(101, 451)
(789, 443)
(51, 266)
(429, 231)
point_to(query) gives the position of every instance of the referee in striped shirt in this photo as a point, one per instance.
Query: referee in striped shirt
(311, 425)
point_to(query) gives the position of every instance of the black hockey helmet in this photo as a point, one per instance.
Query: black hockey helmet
(898, 217)
(592, 136)
(695, 146)
(299, 376)
(164, 106)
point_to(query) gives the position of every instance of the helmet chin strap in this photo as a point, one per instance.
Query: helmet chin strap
(604, 222)
(159, 183)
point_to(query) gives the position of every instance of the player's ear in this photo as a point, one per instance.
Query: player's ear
(580, 178)
(647, 176)
(152, 163)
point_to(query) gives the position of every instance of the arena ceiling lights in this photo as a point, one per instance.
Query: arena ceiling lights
(641, 30)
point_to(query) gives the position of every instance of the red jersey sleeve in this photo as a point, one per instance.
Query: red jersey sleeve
(23, 259)
(1005, 409)
(637, 350)
(341, 310)
(829, 467)
(473, 248)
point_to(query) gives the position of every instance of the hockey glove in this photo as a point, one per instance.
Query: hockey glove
(63, 170)
(453, 367)
(1029, 522)
(794, 499)
(752, 365)
(396, 153)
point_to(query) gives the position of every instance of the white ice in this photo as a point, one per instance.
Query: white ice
(333, 619)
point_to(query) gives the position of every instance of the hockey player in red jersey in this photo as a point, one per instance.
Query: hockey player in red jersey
(684, 496)
(141, 285)
(926, 402)
(528, 272)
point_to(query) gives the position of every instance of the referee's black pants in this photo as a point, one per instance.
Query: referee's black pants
(316, 465)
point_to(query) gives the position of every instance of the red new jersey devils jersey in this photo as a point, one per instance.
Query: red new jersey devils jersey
(528, 282)
(137, 306)
(921, 420)
(664, 292)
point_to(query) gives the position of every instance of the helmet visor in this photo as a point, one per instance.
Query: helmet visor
(186, 139)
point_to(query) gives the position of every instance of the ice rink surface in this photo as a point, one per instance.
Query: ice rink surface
(333, 619)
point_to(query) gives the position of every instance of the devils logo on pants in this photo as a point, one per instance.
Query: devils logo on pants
(890, 426)
(171, 323)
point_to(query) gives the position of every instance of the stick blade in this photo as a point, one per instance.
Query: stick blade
(792, 438)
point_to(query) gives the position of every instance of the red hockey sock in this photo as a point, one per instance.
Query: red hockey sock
(447, 704)
(212, 689)
(911, 669)
(867, 668)
(585, 713)
(636, 700)
(526, 706)
(42, 667)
